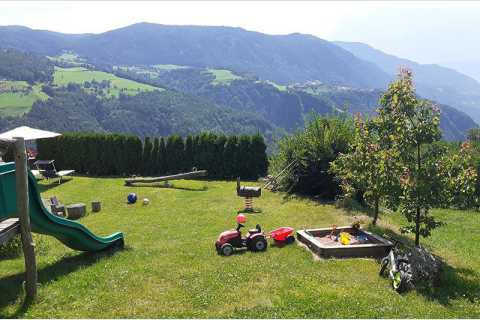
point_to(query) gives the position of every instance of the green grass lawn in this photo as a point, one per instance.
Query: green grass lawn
(170, 269)
(17, 97)
(64, 76)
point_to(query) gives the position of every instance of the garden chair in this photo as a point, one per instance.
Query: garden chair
(47, 169)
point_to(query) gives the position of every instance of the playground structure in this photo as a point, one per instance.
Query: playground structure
(248, 193)
(20, 201)
(180, 176)
(327, 242)
(271, 182)
(70, 233)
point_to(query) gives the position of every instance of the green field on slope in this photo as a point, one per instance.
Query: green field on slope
(17, 97)
(223, 76)
(64, 76)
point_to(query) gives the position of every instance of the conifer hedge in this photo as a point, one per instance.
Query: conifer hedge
(98, 154)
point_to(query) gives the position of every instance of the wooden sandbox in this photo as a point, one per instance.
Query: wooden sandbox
(319, 242)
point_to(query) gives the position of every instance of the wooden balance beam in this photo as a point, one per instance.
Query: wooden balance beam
(187, 175)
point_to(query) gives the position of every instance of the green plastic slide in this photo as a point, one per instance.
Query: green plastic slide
(70, 233)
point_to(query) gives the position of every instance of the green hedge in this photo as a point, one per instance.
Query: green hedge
(121, 155)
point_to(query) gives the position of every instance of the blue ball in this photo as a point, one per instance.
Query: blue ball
(132, 198)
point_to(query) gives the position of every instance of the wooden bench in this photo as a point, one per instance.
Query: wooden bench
(8, 229)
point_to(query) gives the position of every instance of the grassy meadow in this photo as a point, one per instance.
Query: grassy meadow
(170, 268)
(223, 76)
(64, 76)
(17, 97)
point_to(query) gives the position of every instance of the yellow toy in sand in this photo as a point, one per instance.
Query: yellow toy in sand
(345, 238)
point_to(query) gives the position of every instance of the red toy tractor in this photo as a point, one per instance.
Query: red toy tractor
(230, 240)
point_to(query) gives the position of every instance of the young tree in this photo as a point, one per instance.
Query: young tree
(410, 127)
(369, 168)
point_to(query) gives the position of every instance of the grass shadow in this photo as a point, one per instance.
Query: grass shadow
(455, 283)
(250, 211)
(11, 287)
(171, 186)
(42, 187)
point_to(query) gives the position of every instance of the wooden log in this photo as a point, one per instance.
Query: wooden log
(187, 175)
(96, 206)
(28, 245)
(76, 211)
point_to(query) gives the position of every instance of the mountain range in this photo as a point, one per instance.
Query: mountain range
(268, 81)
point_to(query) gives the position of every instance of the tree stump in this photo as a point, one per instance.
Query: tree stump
(76, 211)
(96, 206)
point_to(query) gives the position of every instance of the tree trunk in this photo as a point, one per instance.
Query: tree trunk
(28, 245)
(375, 217)
(417, 218)
(417, 227)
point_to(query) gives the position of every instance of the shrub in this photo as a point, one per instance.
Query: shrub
(99, 154)
(312, 150)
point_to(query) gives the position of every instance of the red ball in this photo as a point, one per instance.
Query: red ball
(241, 218)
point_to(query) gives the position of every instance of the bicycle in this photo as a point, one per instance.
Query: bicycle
(400, 272)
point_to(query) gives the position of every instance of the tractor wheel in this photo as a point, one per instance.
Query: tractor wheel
(226, 249)
(290, 240)
(258, 244)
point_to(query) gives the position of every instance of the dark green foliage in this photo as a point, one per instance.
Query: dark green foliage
(151, 114)
(18, 65)
(93, 153)
(120, 155)
(189, 153)
(154, 161)
(243, 156)
(258, 149)
(162, 156)
(312, 150)
(147, 156)
(175, 151)
(11, 249)
(230, 157)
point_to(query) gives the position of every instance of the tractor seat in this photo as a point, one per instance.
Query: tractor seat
(249, 189)
(253, 231)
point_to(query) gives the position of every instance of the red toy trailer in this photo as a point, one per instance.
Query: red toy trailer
(283, 235)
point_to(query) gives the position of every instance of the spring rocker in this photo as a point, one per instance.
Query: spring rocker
(248, 193)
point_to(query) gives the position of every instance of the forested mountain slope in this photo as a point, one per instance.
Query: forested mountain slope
(284, 106)
(284, 59)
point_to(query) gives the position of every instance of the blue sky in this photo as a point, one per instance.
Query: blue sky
(427, 32)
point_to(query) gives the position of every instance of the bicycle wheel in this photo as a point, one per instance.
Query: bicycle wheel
(399, 281)
(383, 266)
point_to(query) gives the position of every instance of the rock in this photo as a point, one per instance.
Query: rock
(425, 266)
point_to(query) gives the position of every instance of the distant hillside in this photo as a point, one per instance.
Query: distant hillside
(283, 59)
(285, 107)
(150, 79)
(432, 81)
(152, 113)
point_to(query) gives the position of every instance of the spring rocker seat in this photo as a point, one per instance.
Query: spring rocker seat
(248, 193)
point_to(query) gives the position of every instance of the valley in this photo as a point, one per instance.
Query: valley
(273, 90)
